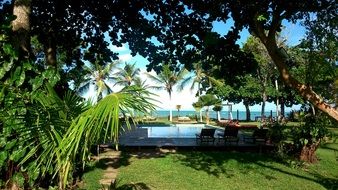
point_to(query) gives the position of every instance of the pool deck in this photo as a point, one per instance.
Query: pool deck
(138, 138)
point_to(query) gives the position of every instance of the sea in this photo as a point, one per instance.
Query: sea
(238, 115)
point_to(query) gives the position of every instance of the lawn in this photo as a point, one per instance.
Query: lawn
(225, 170)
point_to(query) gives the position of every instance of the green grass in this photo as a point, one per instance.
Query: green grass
(226, 170)
(92, 175)
(223, 170)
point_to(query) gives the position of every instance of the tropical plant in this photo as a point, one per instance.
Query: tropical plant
(217, 108)
(202, 80)
(198, 108)
(167, 79)
(63, 131)
(99, 124)
(207, 101)
(50, 117)
(127, 75)
(99, 76)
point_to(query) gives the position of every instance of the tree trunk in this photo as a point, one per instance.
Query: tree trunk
(21, 28)
(279, 58)
(308, 153)
(218, 116)
(282, 107)
(313, 110)
(50, 49)
(199, 95)
(171, 110)
(207, 115)
(264, 98)
(247, 109)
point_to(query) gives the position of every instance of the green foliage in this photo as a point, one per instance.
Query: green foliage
(307, 137)
(208, 100)
(99, 124)
(128, 75)
(312, 131)
(99, 75)
(217, 107)
(168, 78)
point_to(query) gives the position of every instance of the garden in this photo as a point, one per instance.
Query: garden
(66, 87)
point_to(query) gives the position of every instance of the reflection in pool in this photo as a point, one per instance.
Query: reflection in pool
(174, 131)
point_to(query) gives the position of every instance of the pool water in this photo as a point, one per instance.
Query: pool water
(174, 131)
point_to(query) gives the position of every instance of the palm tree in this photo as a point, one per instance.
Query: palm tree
(198, 78)
(168, 79)
(127, 75)
(98, 75)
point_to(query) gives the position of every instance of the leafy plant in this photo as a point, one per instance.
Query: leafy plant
(207, 101)
(309, 135)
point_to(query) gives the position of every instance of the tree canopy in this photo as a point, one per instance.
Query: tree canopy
(177, 31)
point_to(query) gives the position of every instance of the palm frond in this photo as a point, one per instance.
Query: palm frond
(49, 118)
(184, 83)
(103, 118)
(155, 79)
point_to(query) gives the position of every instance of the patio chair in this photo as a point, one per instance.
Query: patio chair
(230, 135)
(206, 135)
(258, 136)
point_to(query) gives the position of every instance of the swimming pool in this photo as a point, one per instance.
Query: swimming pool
(174, 131)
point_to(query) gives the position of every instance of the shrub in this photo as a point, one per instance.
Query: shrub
(308, 136)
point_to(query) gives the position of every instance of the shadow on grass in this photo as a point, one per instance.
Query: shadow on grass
(215, 164)
(131, 186)
(328, 183)
(103, 164)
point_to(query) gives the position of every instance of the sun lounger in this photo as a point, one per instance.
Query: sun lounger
(248, 127)
(149, 118)
(183, 119)
(206, 135)
(230, 135)
(258, 136)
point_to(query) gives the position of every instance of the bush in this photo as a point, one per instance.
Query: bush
(308, 136)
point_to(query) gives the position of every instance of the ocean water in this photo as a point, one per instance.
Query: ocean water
(224, 114)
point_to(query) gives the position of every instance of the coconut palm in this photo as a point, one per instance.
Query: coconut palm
(199, 76)
(99, 76)
(127, 75)
(167, 80)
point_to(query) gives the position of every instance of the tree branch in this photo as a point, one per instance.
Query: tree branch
(275, 23)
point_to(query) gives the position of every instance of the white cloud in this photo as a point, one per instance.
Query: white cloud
(184, 98)
(125, 57)
(119, 49)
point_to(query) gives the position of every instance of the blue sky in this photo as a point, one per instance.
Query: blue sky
(293, 33)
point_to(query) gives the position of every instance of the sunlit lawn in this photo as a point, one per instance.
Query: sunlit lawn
(227, 170)
(224, 170)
